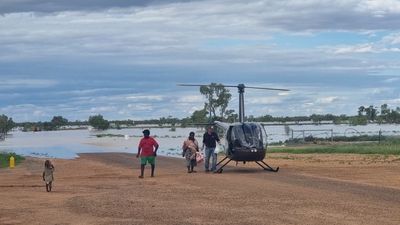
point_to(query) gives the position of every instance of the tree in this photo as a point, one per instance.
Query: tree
(6, 124)
(361, 110)
(358, 120)
(371, 113)
(385, 112)
(98, 122)
(231, 116)
(47, 126)
(394, 116)
(218, 98)
(340, 119)
(59, 121)
(316, 118)
(384, 109)
(266, 118)
(250, 118)
(199, 116)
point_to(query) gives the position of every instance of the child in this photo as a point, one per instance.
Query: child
(48, 174)
(190, 148)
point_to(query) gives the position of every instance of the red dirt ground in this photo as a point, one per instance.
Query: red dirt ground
(103, 188)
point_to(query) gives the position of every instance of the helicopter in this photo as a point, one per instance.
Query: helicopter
(246, 141)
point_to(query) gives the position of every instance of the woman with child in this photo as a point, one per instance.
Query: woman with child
(190, 148)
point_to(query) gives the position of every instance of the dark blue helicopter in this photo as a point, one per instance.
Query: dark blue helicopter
(246, 141)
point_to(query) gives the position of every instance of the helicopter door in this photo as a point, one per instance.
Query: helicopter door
(253, 135)
(247, 135)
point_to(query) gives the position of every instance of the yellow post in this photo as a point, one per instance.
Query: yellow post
(12, 162)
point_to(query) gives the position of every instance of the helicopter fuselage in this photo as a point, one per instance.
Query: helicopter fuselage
(246, 154)
(245, 141)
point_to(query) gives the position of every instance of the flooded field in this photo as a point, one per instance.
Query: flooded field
(66, 144)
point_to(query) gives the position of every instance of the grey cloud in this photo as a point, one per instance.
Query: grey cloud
(299, 16)
(108, 54)
(146, 35)
(46, 6)
(26, 83)
(212, 15)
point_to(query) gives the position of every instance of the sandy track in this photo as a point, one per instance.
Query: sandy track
(104, 189)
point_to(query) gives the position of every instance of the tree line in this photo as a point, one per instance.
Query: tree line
(365, 115)
(59, 122)
(381, 115)
(215, 109)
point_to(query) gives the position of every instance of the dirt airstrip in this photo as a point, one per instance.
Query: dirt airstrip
(103, 188)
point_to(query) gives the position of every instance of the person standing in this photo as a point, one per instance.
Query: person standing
(210, 138)
(147, 151)
(48, 176)
(190, 148)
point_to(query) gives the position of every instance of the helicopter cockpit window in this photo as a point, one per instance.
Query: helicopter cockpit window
(247, 135)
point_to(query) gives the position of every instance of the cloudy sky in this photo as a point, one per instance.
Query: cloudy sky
(123, 58)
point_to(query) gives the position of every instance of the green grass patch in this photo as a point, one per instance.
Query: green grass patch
(390, 147)
(311, 139)
(5, 159)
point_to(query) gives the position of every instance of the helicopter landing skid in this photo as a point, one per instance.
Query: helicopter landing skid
(263, 165)
(220, 168)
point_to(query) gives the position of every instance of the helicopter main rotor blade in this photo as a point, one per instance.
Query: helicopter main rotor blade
(190, 85)
(234, 86)
(199, 85)
(271, 89)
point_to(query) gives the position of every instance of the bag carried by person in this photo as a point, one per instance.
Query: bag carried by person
(219, 149)
(199, 157)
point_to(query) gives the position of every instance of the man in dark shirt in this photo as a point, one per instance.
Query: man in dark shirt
(209, 141)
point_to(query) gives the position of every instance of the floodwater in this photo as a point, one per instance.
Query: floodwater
(68, 143)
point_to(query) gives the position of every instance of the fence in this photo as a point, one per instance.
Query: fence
(327, 133)
(349, 133)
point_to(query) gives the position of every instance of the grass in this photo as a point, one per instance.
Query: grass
(388, 147)
(311, 139)
(5, 159)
